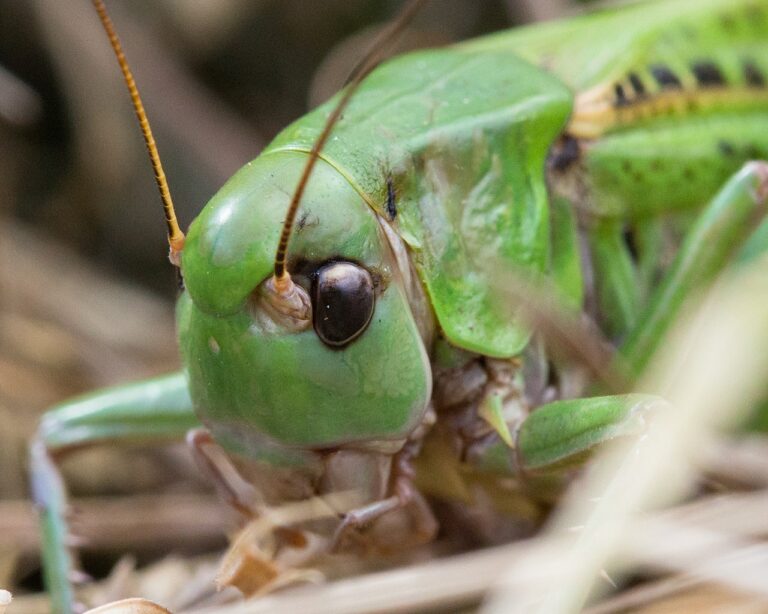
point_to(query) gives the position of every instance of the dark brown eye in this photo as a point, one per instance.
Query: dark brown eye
(342, 297)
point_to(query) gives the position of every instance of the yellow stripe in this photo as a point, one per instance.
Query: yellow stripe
(596, 113)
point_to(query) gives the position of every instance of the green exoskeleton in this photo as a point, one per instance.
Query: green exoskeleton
(607, 154)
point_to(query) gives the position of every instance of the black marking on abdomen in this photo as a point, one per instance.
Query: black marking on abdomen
(752, 74)
(659, 89)
(707, 74)
(726, 148)
(637, 84)
(621, 96)
(665, 77)
(391, 196)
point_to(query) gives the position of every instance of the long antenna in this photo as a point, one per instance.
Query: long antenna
(375, 54)
(175, 235)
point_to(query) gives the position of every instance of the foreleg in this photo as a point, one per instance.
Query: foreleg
(154, 410)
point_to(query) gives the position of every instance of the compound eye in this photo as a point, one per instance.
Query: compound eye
(343, 301)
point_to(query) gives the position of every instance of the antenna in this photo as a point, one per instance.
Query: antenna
(175, 235)
(282, 279)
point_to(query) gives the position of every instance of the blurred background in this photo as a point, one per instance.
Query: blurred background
(219, 79)
(86, 293)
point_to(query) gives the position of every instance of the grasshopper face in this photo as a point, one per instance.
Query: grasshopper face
(357, 374)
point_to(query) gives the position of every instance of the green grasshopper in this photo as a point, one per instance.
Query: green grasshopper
(581, 154)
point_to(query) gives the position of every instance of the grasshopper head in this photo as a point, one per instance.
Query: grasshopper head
(352, 370)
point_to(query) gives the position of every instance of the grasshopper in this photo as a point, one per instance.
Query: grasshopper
(609, 157)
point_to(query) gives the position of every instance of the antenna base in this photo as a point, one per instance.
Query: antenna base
(287, 304)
